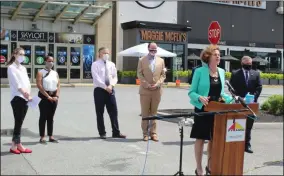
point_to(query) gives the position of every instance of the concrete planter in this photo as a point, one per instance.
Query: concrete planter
(281, 82)
(273, 81)
(265, 81)
(183, 79)
(128, 80)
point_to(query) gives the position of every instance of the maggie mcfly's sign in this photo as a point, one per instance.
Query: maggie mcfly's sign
(166, 36)
(250, 4)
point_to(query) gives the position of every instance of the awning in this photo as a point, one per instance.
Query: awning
(193, 57)
(260, 60)
(73, 11)
(229, 58)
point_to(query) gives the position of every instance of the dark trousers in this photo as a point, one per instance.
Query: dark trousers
(249, 126)
(20, 108)
(47, 110)
(103, 98)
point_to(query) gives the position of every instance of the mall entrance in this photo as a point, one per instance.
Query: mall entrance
(68, 62)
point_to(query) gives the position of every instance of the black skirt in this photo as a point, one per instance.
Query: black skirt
(203, 126)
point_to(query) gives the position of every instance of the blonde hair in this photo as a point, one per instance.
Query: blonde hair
(15, 52)
(208, 52)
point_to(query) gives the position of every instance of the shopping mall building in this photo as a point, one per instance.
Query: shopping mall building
(74, 31)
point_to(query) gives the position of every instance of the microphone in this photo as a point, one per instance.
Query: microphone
(231, 89)
(238, 98)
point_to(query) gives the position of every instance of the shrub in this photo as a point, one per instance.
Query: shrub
(128, 74)
(182, 73)
(228, 75)
(273, 105)
(279, 76)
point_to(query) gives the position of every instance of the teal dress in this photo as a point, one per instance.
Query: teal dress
(203, 125)
(205, 85)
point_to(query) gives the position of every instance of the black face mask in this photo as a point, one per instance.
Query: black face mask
(247, 67)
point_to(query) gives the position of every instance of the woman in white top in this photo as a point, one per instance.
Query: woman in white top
(47, 81)
(20, 94)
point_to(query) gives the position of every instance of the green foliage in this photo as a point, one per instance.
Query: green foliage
(271, 76)
(262, 75)
(182, 73)
(128, 74)
(228, 75)
(274, 105)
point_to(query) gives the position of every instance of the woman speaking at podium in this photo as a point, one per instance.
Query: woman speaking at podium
(207, 85)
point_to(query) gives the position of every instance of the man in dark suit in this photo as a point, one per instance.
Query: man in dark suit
(192, 72)
(246, 80)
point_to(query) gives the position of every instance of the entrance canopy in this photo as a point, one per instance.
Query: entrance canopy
(73, 11)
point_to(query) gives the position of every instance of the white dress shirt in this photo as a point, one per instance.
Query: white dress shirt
(98, 73)
(18, 78)
(152, 63)
(50, 82)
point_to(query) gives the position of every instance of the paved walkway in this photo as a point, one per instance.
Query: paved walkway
(80, 151)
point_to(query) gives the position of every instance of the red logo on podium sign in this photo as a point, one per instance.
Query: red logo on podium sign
(214, 32)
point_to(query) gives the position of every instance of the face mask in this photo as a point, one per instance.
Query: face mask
(105, 57)
(152, 53)
(246, 67)
(49, 65)
(21, 59)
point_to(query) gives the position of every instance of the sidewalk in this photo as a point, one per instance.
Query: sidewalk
(169, 84)
(80, 151)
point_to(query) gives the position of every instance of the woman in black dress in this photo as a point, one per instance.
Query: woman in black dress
(207, 85)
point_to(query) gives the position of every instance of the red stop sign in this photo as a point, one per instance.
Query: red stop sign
(214, 32)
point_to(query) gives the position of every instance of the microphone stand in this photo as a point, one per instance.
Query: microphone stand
(239, 99)
(182, 123)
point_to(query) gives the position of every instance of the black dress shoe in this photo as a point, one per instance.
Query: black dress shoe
(248, 150)
(42, 141)
(53, 140)
(118, 136)
(103, 136)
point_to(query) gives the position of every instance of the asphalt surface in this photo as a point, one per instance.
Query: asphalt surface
(80, 151)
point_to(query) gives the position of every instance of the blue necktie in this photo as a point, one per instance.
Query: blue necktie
(106, 75)
(246, 77)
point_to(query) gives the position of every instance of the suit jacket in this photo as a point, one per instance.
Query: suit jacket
(239, 84)
(201, 85)
(192, 72)
(147, 77)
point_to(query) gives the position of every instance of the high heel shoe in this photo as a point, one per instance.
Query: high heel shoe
(196, 173)
(208, 172)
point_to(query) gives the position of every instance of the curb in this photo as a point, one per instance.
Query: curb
(169, 85)
(91, 85)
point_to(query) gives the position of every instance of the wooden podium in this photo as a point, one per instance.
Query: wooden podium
(228, 145)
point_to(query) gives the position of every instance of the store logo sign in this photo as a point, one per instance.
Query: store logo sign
(235, 130)
(151, 35)
(40, 60)
(249, 4)
(150, 4)
(32, 36)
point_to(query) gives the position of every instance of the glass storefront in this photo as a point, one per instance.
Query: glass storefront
(197, 52)
(73, 54)
(273, 65)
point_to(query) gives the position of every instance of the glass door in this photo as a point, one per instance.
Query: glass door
(28, 58)
(4, 57)
(74, 63)
(39, 52)
(61, 62)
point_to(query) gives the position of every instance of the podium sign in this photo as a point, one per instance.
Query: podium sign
(235, 130)
(228, 145)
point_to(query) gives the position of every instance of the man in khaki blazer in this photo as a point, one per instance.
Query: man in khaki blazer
(151, 72)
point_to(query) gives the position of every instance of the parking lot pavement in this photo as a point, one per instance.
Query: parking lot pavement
(80, 151)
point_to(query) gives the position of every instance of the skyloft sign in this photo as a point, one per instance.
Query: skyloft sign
(249, 4)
